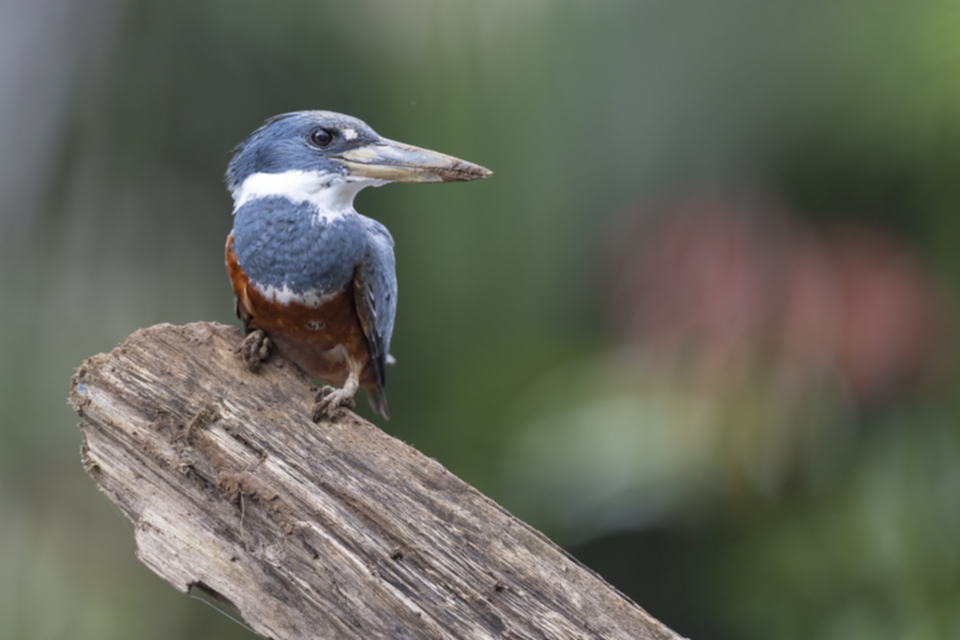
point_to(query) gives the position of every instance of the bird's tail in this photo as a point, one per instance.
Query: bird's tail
(378, 400)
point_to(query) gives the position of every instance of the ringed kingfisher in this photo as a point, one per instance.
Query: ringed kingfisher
(312, 277)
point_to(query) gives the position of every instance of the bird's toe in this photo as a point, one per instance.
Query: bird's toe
(255, 349)
(331, 403)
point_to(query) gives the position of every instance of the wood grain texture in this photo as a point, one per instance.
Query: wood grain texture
(315, 531)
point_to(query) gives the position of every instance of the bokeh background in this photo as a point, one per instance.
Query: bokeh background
(699, 327)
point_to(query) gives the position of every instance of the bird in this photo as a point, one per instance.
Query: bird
(311, 277)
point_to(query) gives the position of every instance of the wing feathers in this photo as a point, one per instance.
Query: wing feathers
(366, 310)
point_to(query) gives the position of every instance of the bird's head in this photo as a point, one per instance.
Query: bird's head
(326, 158)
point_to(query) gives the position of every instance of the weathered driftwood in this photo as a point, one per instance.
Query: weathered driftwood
(315, 531)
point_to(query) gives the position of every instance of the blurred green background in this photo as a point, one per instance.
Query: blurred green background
(698, 327)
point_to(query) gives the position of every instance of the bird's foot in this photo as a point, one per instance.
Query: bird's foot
(255, 349)
(332, 403)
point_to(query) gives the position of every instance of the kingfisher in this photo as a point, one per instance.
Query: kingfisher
(312, 278)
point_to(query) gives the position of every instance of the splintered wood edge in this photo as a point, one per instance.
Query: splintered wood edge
(330, 530)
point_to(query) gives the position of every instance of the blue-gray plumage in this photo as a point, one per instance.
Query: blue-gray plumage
(310, 274)
(282, 244)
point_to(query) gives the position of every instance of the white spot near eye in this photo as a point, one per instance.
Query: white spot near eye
(349, 134)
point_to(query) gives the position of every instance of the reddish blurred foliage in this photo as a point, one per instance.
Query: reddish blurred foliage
(728, 286)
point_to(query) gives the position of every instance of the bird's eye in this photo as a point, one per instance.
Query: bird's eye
(321, 137)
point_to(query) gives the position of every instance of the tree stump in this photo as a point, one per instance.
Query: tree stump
(330, 530)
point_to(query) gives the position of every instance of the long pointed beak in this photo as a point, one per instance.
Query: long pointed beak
(398, 162)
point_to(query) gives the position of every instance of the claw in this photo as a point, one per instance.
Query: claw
(332, 403)
(255, 349)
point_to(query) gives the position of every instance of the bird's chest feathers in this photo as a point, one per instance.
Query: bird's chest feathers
(297, 251)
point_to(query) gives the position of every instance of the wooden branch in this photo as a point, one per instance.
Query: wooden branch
(315, 531)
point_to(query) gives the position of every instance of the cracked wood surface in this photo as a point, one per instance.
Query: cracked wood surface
(330, 530)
